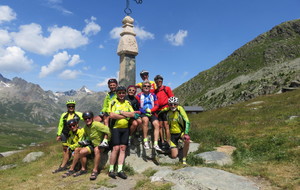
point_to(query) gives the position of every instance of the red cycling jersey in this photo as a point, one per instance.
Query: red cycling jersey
(163, 94)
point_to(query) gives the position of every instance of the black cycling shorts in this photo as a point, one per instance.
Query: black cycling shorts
(162, 116)
(175, 137)
(151, 118)
(120, 136)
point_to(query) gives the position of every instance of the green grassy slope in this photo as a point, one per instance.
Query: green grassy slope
(265, 131)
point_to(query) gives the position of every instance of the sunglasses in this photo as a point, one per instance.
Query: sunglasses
(71, 126)
(147, 86)
(71, 106)
(173, 104)
(121, 92)
(87, 118)
(131, 90)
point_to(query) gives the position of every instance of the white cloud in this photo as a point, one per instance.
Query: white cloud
(101, 46)
(91, 27)
(69, 74)
(177, 39)
(31, 39)
(143, 34)
(103, 68)
(74, 60)
(115, 32)
(58, 62)
(13, 59)
(4, 37)
(56, 4)
(104, 82)
(140, 33)
(6, 14)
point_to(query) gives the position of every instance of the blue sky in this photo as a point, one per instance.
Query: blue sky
(65, 44)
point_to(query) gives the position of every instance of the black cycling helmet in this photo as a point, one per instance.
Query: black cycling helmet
(158, 77)
(112, 81)
(72, 122)
(144, 72)
(87, 114)
(121, 88)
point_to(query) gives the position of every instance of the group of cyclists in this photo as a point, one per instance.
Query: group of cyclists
(124, 112)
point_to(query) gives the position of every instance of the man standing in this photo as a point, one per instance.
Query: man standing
(163, 93)
(63, 129)
(120, 113)
(110, 96)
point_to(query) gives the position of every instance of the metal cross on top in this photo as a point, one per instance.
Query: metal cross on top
(127, 10)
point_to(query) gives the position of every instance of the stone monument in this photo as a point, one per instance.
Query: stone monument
(127, 50)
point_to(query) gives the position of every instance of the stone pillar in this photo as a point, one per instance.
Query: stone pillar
(127, 50)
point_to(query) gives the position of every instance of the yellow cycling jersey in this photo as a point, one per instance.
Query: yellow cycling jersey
(74, 138)
(178, 121)
(117, 106)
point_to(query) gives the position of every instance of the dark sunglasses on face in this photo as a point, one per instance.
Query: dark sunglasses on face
(147, 86)
(173, 104)
(131, 90)
(87, 118)
(71, 126)
(71, 106)
(121, 92)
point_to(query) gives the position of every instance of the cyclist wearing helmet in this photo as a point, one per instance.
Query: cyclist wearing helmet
(148, 106)
(110, 96)
(179, 128)
(145, 76)
(163, 93)
(94, 131)
(120, 113)
(63, 129)
(75, 135)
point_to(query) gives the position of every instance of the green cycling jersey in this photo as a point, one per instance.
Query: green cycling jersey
(178, 121)
(95, 132)
(110, 96)
(62, 125)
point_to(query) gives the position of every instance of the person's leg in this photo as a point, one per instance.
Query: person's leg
(167, 130)
(155, 124)
(174, 153)
(133, 127)
(83, 156)
(121, 157)
(96, 159)
(113, 157)
(145, 123)
(66, 157)
(161, 132)
(186, 147)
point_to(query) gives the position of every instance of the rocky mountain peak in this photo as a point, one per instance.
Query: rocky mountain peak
(3, 79)
(85, 90)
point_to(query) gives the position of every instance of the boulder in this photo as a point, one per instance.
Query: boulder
(215, 157)
(32, 156)
(203, 178)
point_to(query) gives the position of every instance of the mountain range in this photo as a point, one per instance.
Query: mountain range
(28, 102)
